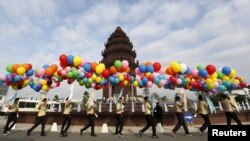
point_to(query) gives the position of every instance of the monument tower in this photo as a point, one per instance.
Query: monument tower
(119, 47)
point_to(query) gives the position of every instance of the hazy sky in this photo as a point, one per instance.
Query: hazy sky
(189, 31)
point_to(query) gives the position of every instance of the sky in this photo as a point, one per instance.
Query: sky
(193, 32)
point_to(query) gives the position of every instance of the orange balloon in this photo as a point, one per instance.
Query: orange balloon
(113, 70)
(169, 71)
(148, 63)
(15, 67)
(54, 67)
(49, 71)
(27, 66)
(127, 70)
(93, 66)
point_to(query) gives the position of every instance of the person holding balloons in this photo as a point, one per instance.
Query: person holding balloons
(228, 106)
(66, 117)
(149, 118)
(179, 106)
(41, 117)
(12, 117)
(202, 110)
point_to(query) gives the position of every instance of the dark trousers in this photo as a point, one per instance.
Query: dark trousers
(159, 119)
(90, 123)
(181, 122)
(66, 120)
(11, 118)
(39, 120)
(119, 123)
(232, 115)
(206, 122)
(150, 122)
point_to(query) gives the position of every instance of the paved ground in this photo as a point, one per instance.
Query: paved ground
(130, 133)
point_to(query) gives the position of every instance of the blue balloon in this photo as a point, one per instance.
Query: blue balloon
(87, 67)
(1, 83)
(150, 69)
(70, 59)
(45, 66)
(30, 72)
(144, 80)
(203, 73)
(142, 68)
(226, 70)
(188, 71)
(17, 78)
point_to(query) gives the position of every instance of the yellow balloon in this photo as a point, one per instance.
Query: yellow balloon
(125, 82)
(209, 81)
(214, 75)
(121, 77)
(43, 82)
(233, 73)
(45, 88)
(93, 77)
(77, 61)
(148, 74)
(135, 83)
(175, 66)
(21, 70)
(26, 82)
(225, 78)
(98, 79)
(100, 68)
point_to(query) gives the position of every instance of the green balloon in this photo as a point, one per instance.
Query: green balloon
(220, 75)
(9, 68)
(199, 67)
(118, 64)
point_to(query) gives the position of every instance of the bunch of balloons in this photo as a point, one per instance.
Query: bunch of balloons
(96, 75)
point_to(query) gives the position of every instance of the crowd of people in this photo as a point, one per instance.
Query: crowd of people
(153, 115)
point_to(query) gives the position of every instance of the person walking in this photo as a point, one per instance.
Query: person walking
(158, 113)
(180, 116)
(66, 117)
(203, 112)
(41, 117)
(228, 106)
(12, 117)
(91, 119)
(149, 119)
(119, 117)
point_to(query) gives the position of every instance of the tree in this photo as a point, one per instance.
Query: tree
(146, 91)
(85, 99)
(56, 98)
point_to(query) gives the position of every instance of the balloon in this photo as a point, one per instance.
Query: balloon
(149, 84)
(63, 59)
(21, 70)
(105, 73)
(99, 68)
(118, 64)
(137, 71)
(194, 72)
(175, 66)
(199, 67)
(226, 70)
(233, 73)
(45, 88)
(157, 66)
(142, 68)
(170, 71)
(77, 61)
(70, 59)
(30, 72)
(15, 67)
(54, 67)
(203, 73)
(27, 66)
(17, 78)
(93, 66)
(112, 70)
(87, 67)
(9, 68)
(45, 66)
(183, 67)
(125, 64)
(150, 69)
(210, 69)
(49, 71)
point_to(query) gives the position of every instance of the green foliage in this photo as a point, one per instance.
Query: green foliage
(240, 98)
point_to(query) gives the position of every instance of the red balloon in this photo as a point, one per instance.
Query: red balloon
(157, 66)
(210, 69)
(173, 79)
(63, 59)
(151, 78)
(105, 73)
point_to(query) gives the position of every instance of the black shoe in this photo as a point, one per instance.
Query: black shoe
(43, 134)
(120, 134)
(93, 135)
(155, 137)
(65, 134)
(140, 133)
(116, 134)
(28, 133)
(81, 132)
